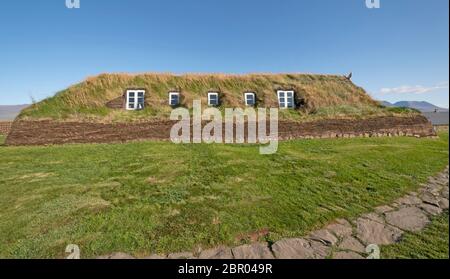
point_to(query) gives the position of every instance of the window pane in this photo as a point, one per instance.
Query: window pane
(174, 99)
(250, 100)
(139, 101)
(290, 99)
(131, 100)
(213, 99)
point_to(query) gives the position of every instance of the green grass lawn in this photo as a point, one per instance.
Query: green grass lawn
(431, 243)
(155, 197)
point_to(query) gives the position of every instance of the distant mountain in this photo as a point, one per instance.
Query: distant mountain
(10, 112)
(386, 104)
(422, 106)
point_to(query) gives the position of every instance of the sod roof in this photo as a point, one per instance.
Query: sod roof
(323, 96)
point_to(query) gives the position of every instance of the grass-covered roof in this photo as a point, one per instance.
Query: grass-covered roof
(324, 96)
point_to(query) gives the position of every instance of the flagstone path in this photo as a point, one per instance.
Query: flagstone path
(343, 239)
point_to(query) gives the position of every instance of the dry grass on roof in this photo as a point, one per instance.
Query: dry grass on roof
(87, 99)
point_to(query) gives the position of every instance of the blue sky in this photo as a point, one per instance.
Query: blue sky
(397, 52)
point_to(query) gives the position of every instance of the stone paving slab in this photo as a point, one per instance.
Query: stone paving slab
(154, 257)
(341, 228)
(321, 251)
(117, 256)
(352, 244)
(252, 251)
(429, 198)
(431, 209)
(217, 253)
(324, 236)
(182, 255)
(409, 219)
(409, 200)
(383, 209)
(299, 248)
(443, 203)
(374, 217)
(373, 232)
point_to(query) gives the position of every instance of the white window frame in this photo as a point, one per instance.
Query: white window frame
(174, 93)
(250, 94)
(209, 98)
(136, 98)
(283, 94)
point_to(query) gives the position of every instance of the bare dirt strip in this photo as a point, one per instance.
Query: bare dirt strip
(5, 127)
(52, 132)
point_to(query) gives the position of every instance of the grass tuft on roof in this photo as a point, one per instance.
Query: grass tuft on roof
(324, 96)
